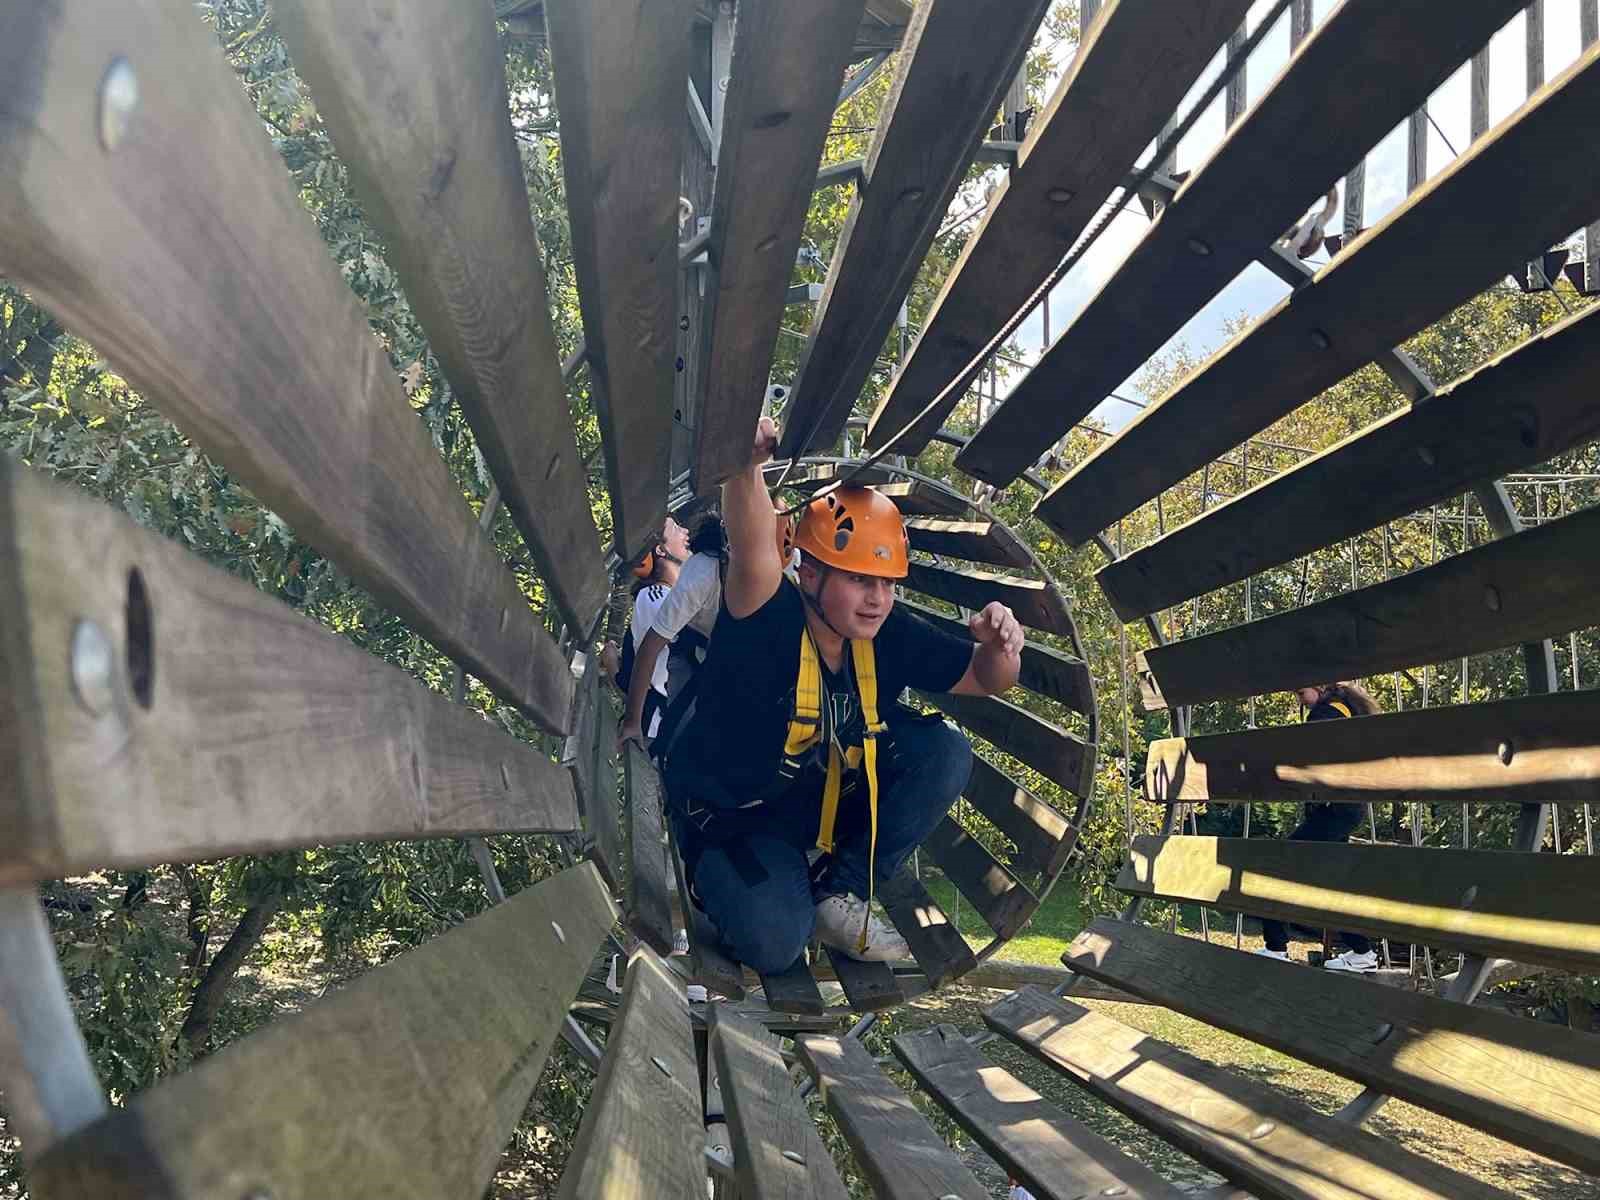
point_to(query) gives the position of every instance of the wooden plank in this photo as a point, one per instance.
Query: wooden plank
(793, 991)
(1528, 750)
(1045, 670)
(281, 380)
(1448, 241)
(776, 1151)
(1132, 70)
(994, 891)
(1405, 462)
(713, 968)
(955, 64)
(1052, 1155)
(154, 701)
(1257, 1137)
(1044, 837)
(936, 943)
(582, 756)
(1535, 908)
(394, 1079)
(1046, 747)
(415, 98)
(979, 541)
(917, 499)
(899, 1153)
(649, 907)
(1205, 237)
(1536, 584)
(1035, 604)
(619, 75)
(788, 62)
(642, 1135)
(868, 986)
(1531, 1083)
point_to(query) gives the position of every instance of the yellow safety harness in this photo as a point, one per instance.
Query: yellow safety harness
(1339, 704)
(812, 722)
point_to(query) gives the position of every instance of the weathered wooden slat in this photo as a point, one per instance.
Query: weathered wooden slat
(643, 1136)
(1398, 52)
(868, 986)
(793, 991)
(1536, 908)
(900, 1154)
(1522, 408)
(1254, 1135)
(1054, 1156)
(776, 1151)
(1448, 241)
(788, 61)
(619, 72)
(1529, 750)
(1537, 584)
(936, 943)
(1044, 837)
(215, 297)
(649, 907)
(1005, 903)
(1034, 603)
(954, 66)
(393, 1079)
(584, 754)
(415, 97)
(917, 499)
(1534, 1084)
(152, 702)
(978, 541)
(1045, 670)
(1133, 68)
(712, 966)
(1043, 745)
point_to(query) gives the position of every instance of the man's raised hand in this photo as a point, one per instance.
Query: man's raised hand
(996, 624)
(766, 442)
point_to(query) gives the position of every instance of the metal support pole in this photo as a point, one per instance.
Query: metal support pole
(1588, 34)
(1236, 96)
(46, 1077)
(1238, 918)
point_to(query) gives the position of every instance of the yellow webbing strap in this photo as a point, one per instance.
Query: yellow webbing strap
(1339, 704)
(806, 729)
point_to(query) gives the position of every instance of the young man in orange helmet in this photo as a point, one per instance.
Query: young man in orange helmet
(797, 741)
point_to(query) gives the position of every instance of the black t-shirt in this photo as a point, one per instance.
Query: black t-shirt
(746, 688)
(1325, 710)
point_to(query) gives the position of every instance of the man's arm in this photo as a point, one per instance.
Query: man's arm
(644, 666)
(997, 658)
(754, 571)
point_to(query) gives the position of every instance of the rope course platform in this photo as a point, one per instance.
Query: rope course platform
(149, 702)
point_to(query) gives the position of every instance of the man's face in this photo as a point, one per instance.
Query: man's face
(676, 539)
(1308, 696)
(855, 605)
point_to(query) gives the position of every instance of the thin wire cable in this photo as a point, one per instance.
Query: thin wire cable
(964, 379)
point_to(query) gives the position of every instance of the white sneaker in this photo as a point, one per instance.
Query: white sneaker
(680, 942)
(1278, 954)
(839, 922)
(1351, 961)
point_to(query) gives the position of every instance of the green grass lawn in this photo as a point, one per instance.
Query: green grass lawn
(1055, 924)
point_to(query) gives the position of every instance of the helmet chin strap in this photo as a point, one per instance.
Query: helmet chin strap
(814, 603)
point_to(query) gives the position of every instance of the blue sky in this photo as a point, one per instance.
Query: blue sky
(1255, 290)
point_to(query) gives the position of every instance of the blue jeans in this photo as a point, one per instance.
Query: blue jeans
(759, 890)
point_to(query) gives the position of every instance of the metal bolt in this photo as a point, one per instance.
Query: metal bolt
(661, 1066)
(1381, 1032)
(1115, 1189)
(1261, 1131)
(93, 667)
(560, 933)
(1319, 339)
(1468, 896)
(1503, 752)
(505, 776)
(1203, 249)
(1060, 195)
(119, 96)
(794, 1157)
(1491, 598)
(1426, 455)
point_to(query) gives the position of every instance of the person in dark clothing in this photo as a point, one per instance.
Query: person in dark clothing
(1328, 822)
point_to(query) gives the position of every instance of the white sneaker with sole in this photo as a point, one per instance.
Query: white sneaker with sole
(839, 922)
(1278, 954)
(1351, 961)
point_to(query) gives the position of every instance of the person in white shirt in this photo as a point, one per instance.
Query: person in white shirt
(658, 572)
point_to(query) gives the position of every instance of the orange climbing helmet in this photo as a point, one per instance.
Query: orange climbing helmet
(855, 529)
(785, 538)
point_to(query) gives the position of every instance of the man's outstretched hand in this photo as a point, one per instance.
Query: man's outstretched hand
(766, 443)
(996, 624)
